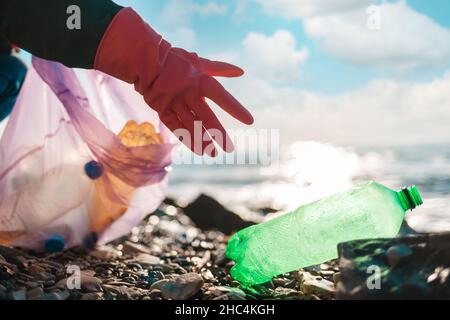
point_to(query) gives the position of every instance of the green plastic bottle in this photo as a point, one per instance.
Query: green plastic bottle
(310, 234)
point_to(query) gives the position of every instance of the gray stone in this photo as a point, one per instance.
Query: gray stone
(230, 296)
(337, 277)
(92, 296)
(3, 292)
(104, 253)
(57, 295)
(124, 293)
(207, 214)
(35, 270)
(132, 248)
(88, 282)
(15, 256)
(221, 258)
(411, 267)
(396, 253)
(231, 293)
(44, 276)
(18, 295)
(155, 293)
(316, 285)
(286, 294)
(147, 259)
(280, 282)
(35, 294)
(182, 287)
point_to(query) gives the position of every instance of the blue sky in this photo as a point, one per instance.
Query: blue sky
(225, 31)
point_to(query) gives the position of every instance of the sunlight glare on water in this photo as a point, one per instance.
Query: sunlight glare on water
(309, 171)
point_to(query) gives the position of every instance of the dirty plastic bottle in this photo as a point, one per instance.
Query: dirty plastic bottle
(310, 234)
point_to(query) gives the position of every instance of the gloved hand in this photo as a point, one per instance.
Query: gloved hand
(173, 81)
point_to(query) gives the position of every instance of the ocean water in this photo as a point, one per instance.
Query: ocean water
(307, 171)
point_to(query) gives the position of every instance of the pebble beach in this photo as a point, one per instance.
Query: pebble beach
(165, 258)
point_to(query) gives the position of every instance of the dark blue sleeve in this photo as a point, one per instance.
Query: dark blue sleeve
(40, 27)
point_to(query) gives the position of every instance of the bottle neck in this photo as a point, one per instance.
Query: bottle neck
(410, 198)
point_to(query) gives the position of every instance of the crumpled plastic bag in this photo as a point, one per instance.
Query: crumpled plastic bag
(82, 157)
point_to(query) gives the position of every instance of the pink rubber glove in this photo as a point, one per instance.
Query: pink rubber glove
(173, 81)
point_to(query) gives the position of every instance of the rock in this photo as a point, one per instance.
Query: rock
(227, 293)
(120, 284)
(316, 285)
(3, 292)
(129, 247)
(314, 270)
(104, 253)
(134, 266)
(124, 293)
(14, 256)
(396, 253)
(155, 293)
(148, 259)
(411, 267)
(286, 294)
(337, 277)
(154, 276)
(18, 295)
(35, 294)
(220, 258)
(92, 296)
(177, 268)
(44, 276)
(7, 270)
(280, 282)
(207, 214)
(164, 268)
(229, 296)
(35, 270)
(57, 295)
(119, 292)
(88, 282)
(182, 287)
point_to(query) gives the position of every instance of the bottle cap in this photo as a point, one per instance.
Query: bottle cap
(93, 170)
(410, 198)
(54, 244)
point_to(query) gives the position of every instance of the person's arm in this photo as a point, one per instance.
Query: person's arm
(5, 47)
(40, 27)
(118, 42)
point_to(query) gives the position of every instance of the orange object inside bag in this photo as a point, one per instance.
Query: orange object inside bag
(104, 211)
(6, 238)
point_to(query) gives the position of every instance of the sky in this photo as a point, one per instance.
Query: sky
(348, 72)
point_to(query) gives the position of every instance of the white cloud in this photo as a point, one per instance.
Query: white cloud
(210, 8)
(407, 39)
(176, 17)
(384, 112)
(176, 13)
(275, 57)
(307, 8)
